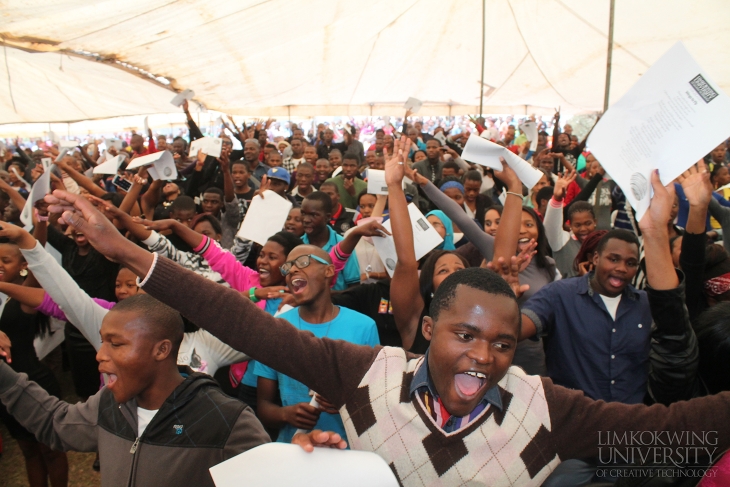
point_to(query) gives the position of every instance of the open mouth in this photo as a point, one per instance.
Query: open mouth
(522, 243)
(297, 285)
(469, 382)
(615, 281)
(264, 273)
(112, 379)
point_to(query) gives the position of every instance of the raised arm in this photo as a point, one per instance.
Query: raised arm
(332, 368)
(405, 292)
(14, 195)
(674, 354)
(556, 236)
(80, 179)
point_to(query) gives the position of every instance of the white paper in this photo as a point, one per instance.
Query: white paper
(425, 239)
(277, 464)
(210, 146)
(163, 165)
(62, 153)
(116, 143)
(46, 162)
(486, 153)
(45, 345)
(529, 128)
(68, 143)
(22, 180)
(182, 96)
(671, 118)
(265, 217)
(110, 166)
(41, 188)
(336, 172)
(376, 182)
(413, 104)
(441, 137)
(146, 126)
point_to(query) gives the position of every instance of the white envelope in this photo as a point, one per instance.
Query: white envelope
(671, 118)
(110, 166)
(276, 464)
(116, 143)
(529, 128)
(68, 143)
(46, 161)
(376, 182)
(413, 104)
(41, 188)
(265, 217)
(425, 239)
(209, 145)
(163, 165)
(486, 153)
(182, 96)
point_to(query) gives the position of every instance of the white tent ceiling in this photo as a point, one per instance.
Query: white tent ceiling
(347, 57)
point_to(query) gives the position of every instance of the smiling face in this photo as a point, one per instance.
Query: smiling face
(616, 266)
(309, 283)
(472, 345)
(324, 169)
(129, 354)
(11, 263)
(125, 284)
(491, 222)
(528, 231)
(446, 265)
(581, 224)
(251, 152)
(293, 222)
(272, 256)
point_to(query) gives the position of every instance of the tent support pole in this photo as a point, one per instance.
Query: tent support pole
(484, 41)
(610, 55)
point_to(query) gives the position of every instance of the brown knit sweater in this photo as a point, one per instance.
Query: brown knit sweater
(541, 424)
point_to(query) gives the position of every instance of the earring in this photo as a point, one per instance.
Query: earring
(23, 273)
(431, 295)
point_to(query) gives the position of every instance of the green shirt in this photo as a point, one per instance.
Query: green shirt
(346, 199)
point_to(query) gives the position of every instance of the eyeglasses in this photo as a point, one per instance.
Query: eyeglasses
(301, 262)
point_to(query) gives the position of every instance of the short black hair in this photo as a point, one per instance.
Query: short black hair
(180, 138)
(580, 207)
(214, 190)
(306, 165)
(207, 217)
(620, 234)
(182, 203)
(473, 277)
(545, 193)
(242, 162)
(162, 321)
(452, 165)
(287, 240)
(322, 198)
(350, 157)
(363, 193)
(328, 184)
(473, 175)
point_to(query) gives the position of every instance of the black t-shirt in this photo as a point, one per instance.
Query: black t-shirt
(373, 300)
(93, 272)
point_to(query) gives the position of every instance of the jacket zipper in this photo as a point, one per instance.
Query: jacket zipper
(133, 471)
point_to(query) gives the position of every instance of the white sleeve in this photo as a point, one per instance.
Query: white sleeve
(556, 236)
(217, 353)
(79, 308)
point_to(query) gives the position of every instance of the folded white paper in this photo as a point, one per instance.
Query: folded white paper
(110, 166)
(68, 143)
(41, 188)
(276, 464)
(671, 118)
(486, 153)
(182, 96)
(265, 217)
(209, 145)
(163, 165)
(413, 104)
(425, 239)
(146, 126)
(441, 137)
(376, 182)
(116, 143)
(62, 153)
(46, 161)
(529, 128)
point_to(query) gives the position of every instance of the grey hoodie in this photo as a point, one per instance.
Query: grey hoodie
(197, 427)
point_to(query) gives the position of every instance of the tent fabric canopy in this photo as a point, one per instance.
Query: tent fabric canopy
(341, 57)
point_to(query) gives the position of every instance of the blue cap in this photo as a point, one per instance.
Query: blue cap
(279, 173)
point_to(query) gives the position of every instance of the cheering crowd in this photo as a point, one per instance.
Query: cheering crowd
(546, 315)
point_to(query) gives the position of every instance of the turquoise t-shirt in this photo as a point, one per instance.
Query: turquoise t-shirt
(350, 275)
(271, 307)
(350, 326)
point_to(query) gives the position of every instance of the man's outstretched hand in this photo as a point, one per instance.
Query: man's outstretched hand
(81, 214)
(319, 439)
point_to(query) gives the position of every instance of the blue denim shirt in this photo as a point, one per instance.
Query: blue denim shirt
(585, 348)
